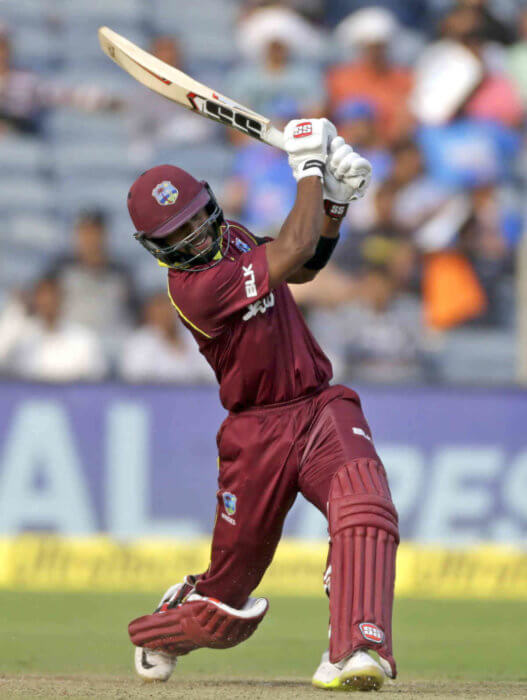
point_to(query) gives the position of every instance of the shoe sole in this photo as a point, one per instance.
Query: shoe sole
(368, 678)
(365, 679)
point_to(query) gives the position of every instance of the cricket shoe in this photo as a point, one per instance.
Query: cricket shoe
(360, 671)
(154, 664)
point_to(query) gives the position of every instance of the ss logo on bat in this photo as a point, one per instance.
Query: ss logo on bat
(226, 115)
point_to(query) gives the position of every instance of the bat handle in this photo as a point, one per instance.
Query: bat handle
(274, 137)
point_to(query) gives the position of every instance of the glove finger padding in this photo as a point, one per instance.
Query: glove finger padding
(338, 156)
(351, 165)
(198, 622)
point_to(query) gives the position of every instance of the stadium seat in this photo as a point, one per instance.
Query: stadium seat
(183, 17)
(82, 48)
(20, 270)
(102, 11)
(30, 13)
(19, 193)
(38, 232)
(74, 159)
(208, 161)
(107, 193)
(19, 155)
(67, 124)
(475, 355)
(36, 49)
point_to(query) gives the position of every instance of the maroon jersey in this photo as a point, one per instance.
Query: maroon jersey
(253, 337)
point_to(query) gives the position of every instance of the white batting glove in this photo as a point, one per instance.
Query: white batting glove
(347, 178)
(307, 143)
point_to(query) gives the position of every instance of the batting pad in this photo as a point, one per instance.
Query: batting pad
(364, 538)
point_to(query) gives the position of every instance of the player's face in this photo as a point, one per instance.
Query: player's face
(204, 235)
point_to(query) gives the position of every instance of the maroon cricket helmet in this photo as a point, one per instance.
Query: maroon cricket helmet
(164, 198)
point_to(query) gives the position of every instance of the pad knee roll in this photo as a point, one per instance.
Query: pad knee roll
(198, 622)
(363, 526)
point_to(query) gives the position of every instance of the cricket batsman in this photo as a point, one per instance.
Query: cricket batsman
(287, 431)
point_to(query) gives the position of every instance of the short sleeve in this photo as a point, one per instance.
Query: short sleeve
(206, 303)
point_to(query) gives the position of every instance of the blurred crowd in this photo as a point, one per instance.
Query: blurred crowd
(422, 284)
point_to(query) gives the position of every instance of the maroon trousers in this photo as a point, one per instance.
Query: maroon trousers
(267, 456)
(320, 446)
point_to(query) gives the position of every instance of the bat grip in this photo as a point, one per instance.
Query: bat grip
(274, 137)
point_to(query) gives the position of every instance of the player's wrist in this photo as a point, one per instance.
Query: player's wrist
(311, 167)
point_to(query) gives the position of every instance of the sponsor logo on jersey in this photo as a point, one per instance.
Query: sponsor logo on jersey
(250, 281)
(362, 433)
(259, 307)
(165, 193)
(229, 502)
(371, 632)
(241, 245)
(303, 129)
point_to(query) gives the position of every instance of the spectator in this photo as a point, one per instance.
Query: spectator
(161, 349)
(372, 76)
(418, 194)
(495, 98)
(356, 122)
(376, 243)
(43, 345)
(24, 96)
(155, 123)
(275, 72)
(98, 293)
(378, 334)
(517, 58)
(493, 28)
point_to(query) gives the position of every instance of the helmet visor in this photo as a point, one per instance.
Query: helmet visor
(200, 246)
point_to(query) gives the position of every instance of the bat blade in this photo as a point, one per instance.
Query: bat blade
(181, 88)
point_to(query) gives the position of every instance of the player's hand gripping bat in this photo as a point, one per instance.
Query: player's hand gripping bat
(181, 88)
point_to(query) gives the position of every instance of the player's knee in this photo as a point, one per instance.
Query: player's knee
(359, 496)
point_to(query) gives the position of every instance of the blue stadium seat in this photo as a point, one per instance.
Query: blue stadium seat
(208, 161)
(20, 155)
(184, 17)
(20, 270)
(477, 355)
(108, 78)
(25, 193)
(36, 49)
(68, 124)
(38, 232)
(103, 12)
(28, 12)
(99, 191)
(77, 159)
(82, 48)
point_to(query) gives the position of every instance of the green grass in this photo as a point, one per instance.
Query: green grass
(53, 633)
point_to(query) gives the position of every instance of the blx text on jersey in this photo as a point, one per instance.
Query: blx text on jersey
(250, 283)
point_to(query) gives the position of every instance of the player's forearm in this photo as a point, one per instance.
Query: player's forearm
(303, 227)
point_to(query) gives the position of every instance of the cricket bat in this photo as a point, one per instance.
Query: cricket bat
(181, 88)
